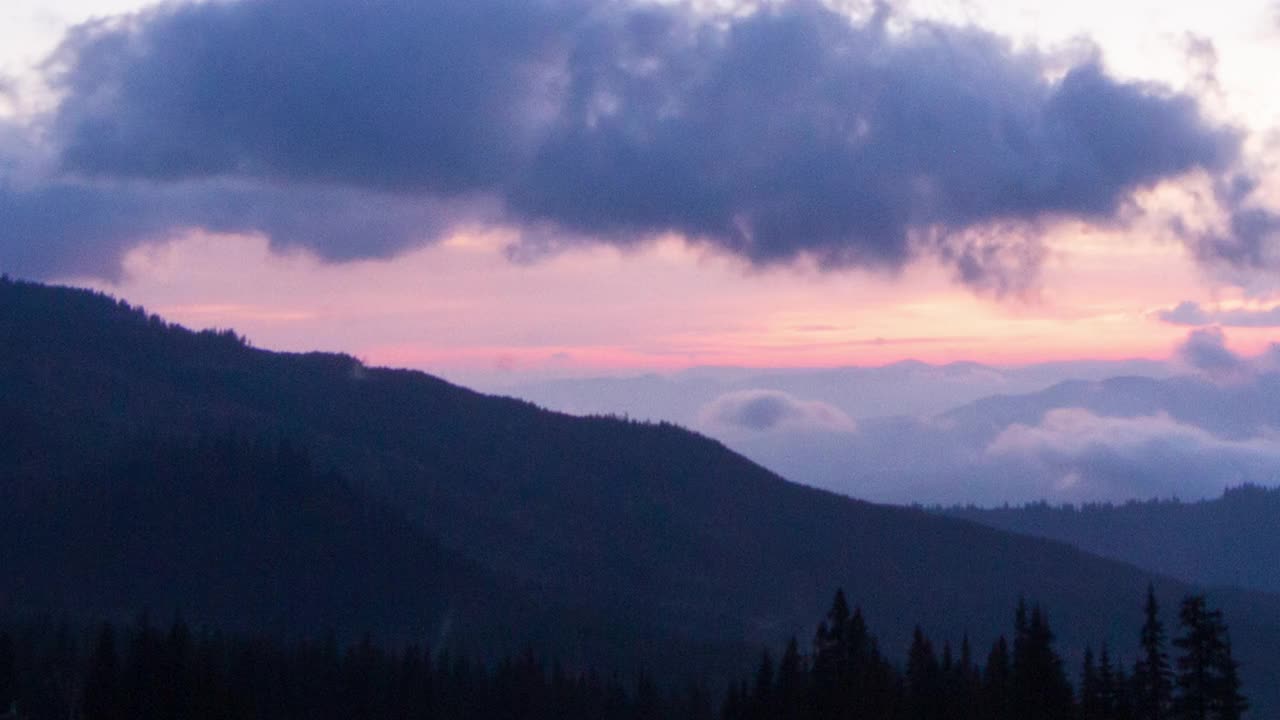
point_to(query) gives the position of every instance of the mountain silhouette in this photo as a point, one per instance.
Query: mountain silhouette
(645, 539)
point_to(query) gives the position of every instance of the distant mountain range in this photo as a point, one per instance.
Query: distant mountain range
(383, 499)
(968, 433)
(909, 387)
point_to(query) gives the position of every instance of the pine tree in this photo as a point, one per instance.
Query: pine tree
(1152, 677)
(100, 697)
(830, 653)
(791, 685)
(1207, 679)
(924, 688)
(1125, 693)
(8, 663)
(1040, 687)
(1109, 686)
(966, 685)
(1229, 703)
(1091, 692)
(1200, 645)
(762, 700)
(997, 682)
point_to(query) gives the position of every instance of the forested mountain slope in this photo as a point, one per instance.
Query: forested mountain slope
(1231, 540)
(651, 523)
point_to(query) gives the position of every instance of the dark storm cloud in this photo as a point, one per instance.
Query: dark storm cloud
(84, 229)
(784, 134)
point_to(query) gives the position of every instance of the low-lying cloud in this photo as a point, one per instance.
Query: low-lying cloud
(1085, 455)
(1073, 432)
(771, 410)
(789, 134)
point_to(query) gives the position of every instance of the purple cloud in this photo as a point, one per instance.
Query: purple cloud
(790, 134)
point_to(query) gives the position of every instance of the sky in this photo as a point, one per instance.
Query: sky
(493, 191)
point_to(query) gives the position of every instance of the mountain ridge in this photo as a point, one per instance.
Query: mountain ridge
(650, 520)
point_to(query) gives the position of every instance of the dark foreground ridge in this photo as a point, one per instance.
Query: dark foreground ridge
(418, 509)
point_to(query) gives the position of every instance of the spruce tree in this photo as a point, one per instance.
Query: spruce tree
(1108, 686)
(830, 654)
(100, 699)
(1207, 680)
(924, 686)
(762, 703)
(1199, 645)
(791, 684)
(1091, 692)
(1152, 677)
(8, 675)
(1228, 702)
(966, 684)
(997, 682)
(1125, 709)
(1040, 687)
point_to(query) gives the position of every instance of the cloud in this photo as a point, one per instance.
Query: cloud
(768, 410)
(1092, 456)
(788, 134)
(1070, 432)
(1247, 243)
(74, 228)
(1193, 314)
(1186, 313)
(1206, 350)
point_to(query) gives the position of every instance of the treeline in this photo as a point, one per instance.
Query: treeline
(846, 676)
(146, 673)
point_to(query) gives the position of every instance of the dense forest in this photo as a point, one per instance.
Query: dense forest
(1186, 540)
(146, 672)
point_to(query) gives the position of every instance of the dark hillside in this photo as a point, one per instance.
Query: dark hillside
(1231, 540)
(642, 521)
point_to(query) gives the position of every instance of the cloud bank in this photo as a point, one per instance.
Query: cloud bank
(1084, 455)
(788, 134)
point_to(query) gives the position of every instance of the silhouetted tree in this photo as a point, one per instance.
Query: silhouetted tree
(997, 683)
(7, 668)
(964, 683)
(1091, 694)
(1228, 702)
(1040, 687)
(1207, 682)
(924, 675)
(792, 684)
(101, 694)
(1152, 677)
(1110, 686)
